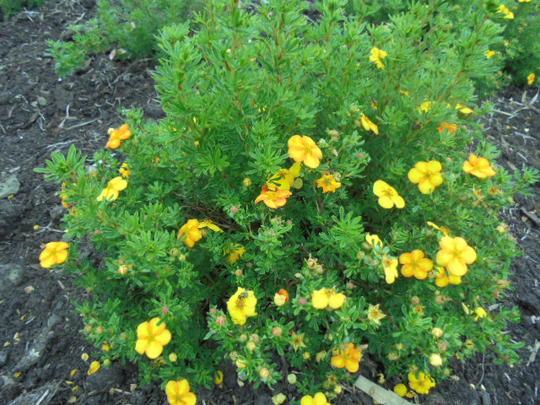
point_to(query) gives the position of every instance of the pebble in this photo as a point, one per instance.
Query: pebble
(11, 275)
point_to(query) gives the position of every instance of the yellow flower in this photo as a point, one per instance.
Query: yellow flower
(368, 125)
(348, 357)
(328, 183)
(285, 178)
(508, 15)
(94, 367)
(192, 231)
(242, 306)
(374, 314)
(273, 199)
(420, 382)
(390, 265)
(490, 53)
(373, 240)
(388, 196)
(531, 79)
(447, 126)
(117, 135)
(125, 170)
(524, 1)
(112, 191)
(464, 109)
(179, 393)
(479, 167)
(281, 297)
(415, 264)
(425, 106)
(327, 298)
(377, 56)
(479, 313)
(235, 252)
(318, 399)
(401, 389)
(443, 279)
(435, 360)
(427, 175)
(455, 254)
(53, 254)
(152, 336)
(304, 149)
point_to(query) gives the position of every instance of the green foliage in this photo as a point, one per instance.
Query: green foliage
(129, 26)
(10, 7)
(234, 93)
(519, 49)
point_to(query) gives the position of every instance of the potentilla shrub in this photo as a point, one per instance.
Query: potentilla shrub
(517, 49)
(126, 27)
(318, 193)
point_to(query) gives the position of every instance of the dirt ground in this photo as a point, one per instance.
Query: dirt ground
(40, 340)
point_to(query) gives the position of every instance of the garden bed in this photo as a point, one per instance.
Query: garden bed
(40, 338)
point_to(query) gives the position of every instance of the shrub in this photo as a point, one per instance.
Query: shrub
(250, 242)
(518, 52)
(10, 7)
(128, 25)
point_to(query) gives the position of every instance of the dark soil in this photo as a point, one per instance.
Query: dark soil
(40, 339)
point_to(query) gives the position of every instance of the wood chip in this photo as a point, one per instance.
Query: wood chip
(379, 394)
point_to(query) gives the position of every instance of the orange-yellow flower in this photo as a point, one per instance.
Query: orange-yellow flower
(304, 149)
(327, 298)
(420, 382)
(447, 126)
(193, 231)
(415, 264)
(273, 199)
(179, 393)
(443, 279)
(368, 125)
(388, 196)
(281, 297)
(490, 53)
(118, 135)
(427, 175)
(242, 305)
(377, 57)
(348, 357)
(479, 167)
(328, 183)
(455, 254)
(235, 252)
(152, 336)
(53, 254)
(531, 79)
(112, 191)
(318, 399)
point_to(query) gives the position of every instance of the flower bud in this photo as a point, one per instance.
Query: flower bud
(277, 331)
(435, 360)
(437, 332)
(264, 373)
(291, 378)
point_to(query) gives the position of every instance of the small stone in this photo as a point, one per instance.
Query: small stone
(9, 185)
(29, 289)
(42, 101)
(3, 358)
